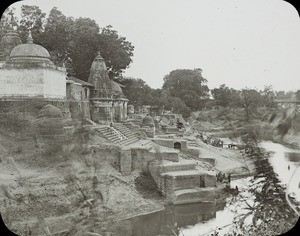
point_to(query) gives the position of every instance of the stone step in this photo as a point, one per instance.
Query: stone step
(177, 166)
(128, 142)
(185, 196)
(185, 173)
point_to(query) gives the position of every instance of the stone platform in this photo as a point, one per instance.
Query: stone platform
(182, 181)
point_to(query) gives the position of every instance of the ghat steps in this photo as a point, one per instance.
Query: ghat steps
(119, 134)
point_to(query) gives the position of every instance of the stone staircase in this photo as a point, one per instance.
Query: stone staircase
(182, 182)
(119, 134)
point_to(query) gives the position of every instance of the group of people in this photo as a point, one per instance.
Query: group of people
(221, 177)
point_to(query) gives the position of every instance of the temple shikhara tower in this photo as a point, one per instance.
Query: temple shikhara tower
(108, 103)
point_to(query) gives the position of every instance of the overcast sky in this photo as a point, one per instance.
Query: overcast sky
(240, 43)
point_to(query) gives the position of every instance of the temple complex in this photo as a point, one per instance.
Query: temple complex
(31, 82)
(27, 73)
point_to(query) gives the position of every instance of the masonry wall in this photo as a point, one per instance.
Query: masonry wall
(22, 82)
(141, 159)
(33, 82)
(170, 143)
(109, 154)
(70, 109)
(55, 83)
(165, 184)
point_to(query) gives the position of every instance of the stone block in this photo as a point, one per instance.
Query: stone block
(210, 181)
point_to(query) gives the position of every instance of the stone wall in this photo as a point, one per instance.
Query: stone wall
(33, 82)
(165, 184)
(140, 158)
(125, 162)
(70, 109)
(108, 153)
(170, 143)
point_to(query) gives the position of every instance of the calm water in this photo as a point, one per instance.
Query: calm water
(281, 159)
(202, 218)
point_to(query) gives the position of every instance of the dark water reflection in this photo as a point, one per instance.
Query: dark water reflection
(164, 222)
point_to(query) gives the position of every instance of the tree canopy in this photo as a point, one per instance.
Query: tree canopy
(73, 42)
(188, 85)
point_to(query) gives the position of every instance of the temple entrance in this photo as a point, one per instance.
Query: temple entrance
(177, 145)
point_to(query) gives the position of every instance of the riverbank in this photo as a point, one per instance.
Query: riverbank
(34, 178)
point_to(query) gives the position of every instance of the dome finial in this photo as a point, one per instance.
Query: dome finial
(29, 38)
(99, 57)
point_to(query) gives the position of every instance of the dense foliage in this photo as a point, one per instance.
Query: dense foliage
(265, 203)
(73, 42)
(188, 85)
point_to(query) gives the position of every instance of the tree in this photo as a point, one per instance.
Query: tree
(298, 94)
(83, 47)
(32, 18)
(269, 211)
(188, 85)
(74, 42)
(137, 91)
(250, 100)
(268, 96)
(116, 51)
(57, 38)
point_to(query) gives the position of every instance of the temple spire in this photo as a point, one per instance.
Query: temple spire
(12, 21)
(29, 38)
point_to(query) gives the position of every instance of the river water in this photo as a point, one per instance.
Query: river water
(202, 218)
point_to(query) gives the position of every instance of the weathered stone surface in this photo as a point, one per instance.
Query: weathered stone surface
(126, 162)
(194, 195)
(208, 160)
(210, 180)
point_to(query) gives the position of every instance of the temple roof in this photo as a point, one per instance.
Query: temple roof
(147, 121)
(76, 80)
(29, 52)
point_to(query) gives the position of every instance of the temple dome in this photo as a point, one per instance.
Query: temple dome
(148, 121)
(29, 52)
(116, 88)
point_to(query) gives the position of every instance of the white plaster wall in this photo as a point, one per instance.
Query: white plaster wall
(44, 82)
(55, 83)
(21, 82)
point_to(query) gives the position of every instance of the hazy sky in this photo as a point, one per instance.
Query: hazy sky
(242, 43)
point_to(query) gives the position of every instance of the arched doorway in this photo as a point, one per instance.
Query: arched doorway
(177, 145)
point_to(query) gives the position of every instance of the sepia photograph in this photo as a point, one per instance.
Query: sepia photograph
(149, 118)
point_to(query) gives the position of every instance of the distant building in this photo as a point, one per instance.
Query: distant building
(293, 101)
